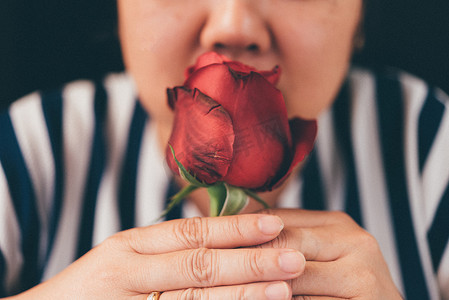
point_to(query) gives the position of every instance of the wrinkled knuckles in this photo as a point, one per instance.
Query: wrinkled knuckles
(193, 294)
(240, 294)
(193, 233)
(281, 241)
(252, 262)
(237, 293)
(200, 266)
(236, 228)
(302, 298)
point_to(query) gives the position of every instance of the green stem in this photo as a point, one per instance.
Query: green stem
(176, 199)
(257, 198)
(217, 196)
(214, 207)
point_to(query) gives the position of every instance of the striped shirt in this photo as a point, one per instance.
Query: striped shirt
(83, 162)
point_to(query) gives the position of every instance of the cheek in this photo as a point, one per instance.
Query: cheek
(317, 56)
(319, 68)
(152, 53)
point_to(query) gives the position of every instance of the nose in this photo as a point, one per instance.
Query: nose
(236, 27)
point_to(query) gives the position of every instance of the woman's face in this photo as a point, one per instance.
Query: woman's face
(311, 40)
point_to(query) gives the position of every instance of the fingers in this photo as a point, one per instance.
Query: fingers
(309, 218)
(211, 267)
(221, 232)
(317, 298)
(320, 279)
(343, 260)
(260, 291)
(348, 278)
(317, 244)
(343, 278)
(320, 236)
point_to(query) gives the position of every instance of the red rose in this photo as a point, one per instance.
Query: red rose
(231, 126)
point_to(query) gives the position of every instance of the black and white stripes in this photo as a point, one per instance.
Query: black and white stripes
(367, 159)
(82, 163)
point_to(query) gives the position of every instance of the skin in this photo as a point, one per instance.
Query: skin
(310, 40)
(235, 257)
(259, 33)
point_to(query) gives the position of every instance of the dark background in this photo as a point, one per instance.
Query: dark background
(44, 43)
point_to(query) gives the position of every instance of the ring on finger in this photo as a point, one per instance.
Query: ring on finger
(154, 296)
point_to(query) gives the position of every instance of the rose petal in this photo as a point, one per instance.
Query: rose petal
(240, 67)
(240, 95)
(202, 136)
(206, 59)
(271, 75)
(171, 98)
(303, 135)
(260, 121)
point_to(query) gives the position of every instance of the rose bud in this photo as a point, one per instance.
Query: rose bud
(231, 126)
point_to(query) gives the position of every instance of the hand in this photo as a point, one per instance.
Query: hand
(343, 260)
(199, 258)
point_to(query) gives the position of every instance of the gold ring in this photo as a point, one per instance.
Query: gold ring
(154, 296)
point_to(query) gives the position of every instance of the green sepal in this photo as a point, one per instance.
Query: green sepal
(257, 198)
(225, 199)
(236, 201)
(217, 195)
(177, 198)
(185, 174)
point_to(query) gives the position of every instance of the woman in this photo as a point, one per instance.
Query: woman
(86, 163)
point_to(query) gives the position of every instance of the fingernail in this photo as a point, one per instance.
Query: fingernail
(270, 225)
(291, 261)
(277, 291)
